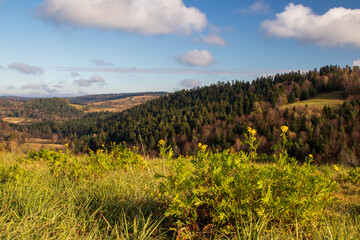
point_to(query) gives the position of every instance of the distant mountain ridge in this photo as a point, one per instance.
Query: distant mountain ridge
(106, 97)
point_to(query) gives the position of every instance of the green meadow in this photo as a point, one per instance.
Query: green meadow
(115, 193)
(333, 99)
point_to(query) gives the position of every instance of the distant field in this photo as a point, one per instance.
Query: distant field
(17, 120)
(329, 99)
(25, 147)
(117, 105)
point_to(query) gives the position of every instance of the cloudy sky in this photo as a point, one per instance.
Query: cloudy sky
(77, 47)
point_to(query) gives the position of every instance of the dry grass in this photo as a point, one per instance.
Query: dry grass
(25, 147)
(117, 105)
(17, 120)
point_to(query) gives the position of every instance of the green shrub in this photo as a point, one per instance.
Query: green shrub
(352, 176)
(221, 191)
(66, 164)
(10, 173)
(125, 157)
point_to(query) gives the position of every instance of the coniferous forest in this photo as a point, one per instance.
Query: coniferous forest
(218, 115)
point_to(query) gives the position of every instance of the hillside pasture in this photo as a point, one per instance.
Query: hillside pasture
(117, 105)
(18, 120)
(25, 147)
(333, 99)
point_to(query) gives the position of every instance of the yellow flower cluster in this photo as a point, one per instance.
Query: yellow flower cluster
(161, 142)
(202, 147)
(336, 168)
(251, 131)
(311, 156)
(284, 129)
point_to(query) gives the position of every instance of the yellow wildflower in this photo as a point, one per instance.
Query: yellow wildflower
(203, 147)
(311, 156)
(161, 142)
(336, 168)
(284, 129)
(251, 131)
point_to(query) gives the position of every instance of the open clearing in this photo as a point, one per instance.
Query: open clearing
(17, 120)
(117, 105)
(25, 147)
(332, 99)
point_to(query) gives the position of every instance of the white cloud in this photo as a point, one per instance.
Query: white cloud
(257, 7)
(337, 27)
(190, 83)
(139, 16)
(101, 62)
(47, 89)
(26, 68)
(12, 87)
(31, 86)
(356, 63)
(88, 82)
(213, 39)
(35, 86)
(196, 58)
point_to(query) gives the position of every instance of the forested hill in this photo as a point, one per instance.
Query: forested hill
(44, 109)
(218, 115)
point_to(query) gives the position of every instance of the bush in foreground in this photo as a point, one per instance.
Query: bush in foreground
(221, 192)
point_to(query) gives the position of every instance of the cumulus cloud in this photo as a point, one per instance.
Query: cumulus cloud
(12, 87)
(190, 83)
(196, 58)
(257, 7)
(101, 62)
(100, 81)
(139, 16)
(58, 86)
(212, 38)
(356, 63)
(25, 68)
(337, 27)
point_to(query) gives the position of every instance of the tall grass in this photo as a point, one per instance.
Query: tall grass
(123, 203)
(37, 205)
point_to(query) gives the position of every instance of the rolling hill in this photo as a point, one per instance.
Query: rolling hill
(218, 115)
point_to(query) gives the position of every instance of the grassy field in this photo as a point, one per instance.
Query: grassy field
(42, 199)
(115, 105)
(332, 99)
(17, 120)
(25, 147)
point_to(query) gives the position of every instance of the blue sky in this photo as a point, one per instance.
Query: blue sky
(77, 47)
